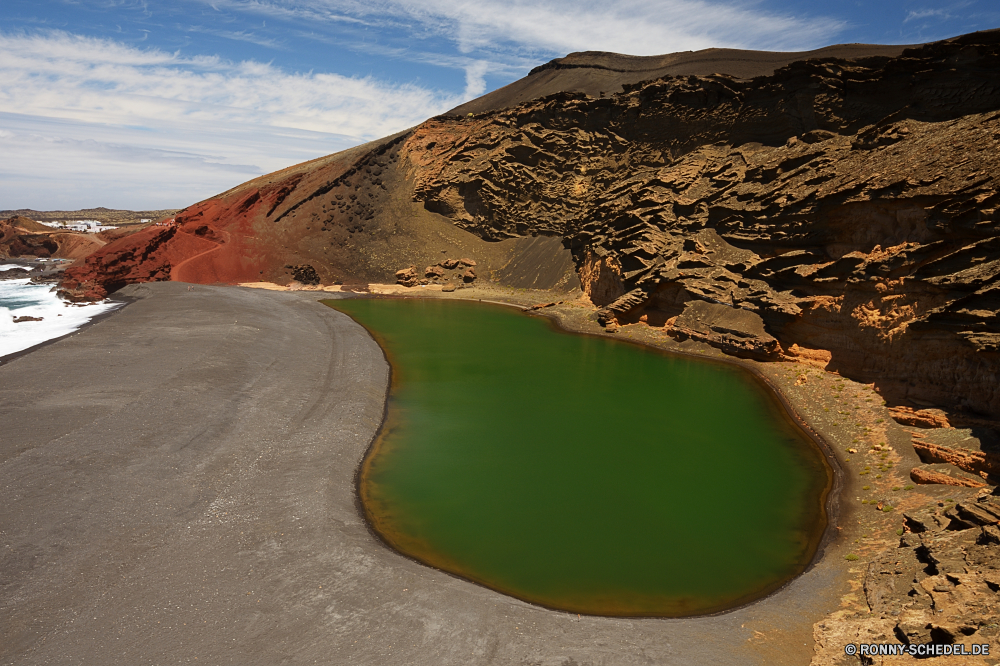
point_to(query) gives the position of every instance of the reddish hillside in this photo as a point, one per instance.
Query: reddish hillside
(841, 211)
(20, 236)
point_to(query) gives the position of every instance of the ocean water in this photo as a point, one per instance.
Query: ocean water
(21, 298)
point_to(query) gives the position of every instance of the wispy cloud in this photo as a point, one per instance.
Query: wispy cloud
(918, 14)
(77, 105)
(128, 124)
(239, 36)
(636, 27)
(505, 38)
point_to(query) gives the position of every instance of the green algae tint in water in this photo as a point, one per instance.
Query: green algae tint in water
(582, 473)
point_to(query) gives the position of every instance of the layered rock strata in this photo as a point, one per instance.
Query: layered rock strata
(939, 585)
(838, 212)
(845, 207)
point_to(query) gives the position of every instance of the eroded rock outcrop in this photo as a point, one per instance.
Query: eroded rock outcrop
(850, 205)
(21, 236)
(984, 463)
(847, 206)
(460, 270)
(939, 585)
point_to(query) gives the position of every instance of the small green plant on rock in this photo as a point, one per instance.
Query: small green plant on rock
(851, 557)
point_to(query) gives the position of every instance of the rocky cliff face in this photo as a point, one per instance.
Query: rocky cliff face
(842, 212)
(939, 585)
(21, 236)
(842, 206)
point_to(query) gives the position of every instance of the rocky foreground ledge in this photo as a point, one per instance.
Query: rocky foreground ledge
(941, 584)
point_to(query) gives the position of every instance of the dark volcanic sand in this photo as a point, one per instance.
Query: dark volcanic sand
(177, 482)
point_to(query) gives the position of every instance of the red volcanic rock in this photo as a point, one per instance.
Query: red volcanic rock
(469, 275)
(449, 263)
(147, 256)
(238, 236)
(434, 272)
(15, 242)
(467, 262)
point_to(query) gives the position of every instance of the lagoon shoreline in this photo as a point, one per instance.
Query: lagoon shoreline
(158, 499)
(829, 496)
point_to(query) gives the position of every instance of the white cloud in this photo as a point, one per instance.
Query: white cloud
(635, 27)
(923, 13)
(475, 79)
(122, 126)
(141, 123)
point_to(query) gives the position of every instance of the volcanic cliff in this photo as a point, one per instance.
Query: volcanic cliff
(835, 207)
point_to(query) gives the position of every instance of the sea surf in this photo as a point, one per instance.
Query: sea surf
(32, 313)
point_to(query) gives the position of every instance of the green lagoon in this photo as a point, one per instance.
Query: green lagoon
(582, 473)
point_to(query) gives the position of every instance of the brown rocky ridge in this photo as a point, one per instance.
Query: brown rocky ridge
(939, 584)
(840, 211)
(834, 209)
(23, 235)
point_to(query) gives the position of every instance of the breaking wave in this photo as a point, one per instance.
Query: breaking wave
(22, 298)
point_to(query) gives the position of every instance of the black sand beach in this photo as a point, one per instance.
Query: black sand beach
(177, 485)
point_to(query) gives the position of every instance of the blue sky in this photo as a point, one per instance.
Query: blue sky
(149, 103)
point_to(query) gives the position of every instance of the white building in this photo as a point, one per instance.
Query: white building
(87, 226)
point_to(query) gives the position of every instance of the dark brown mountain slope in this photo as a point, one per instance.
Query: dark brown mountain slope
(839, 211)
(601, 74)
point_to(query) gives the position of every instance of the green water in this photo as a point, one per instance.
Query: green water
(583, 473)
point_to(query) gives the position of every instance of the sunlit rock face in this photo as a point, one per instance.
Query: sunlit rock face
(847, 208)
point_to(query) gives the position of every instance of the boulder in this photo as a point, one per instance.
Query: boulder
(734, 330)
(434, 272)
(407, 276)
(920, 418)
(302, 273)
(947, 475)
(14, 273)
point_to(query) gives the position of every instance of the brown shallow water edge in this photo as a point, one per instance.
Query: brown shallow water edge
(819, 539)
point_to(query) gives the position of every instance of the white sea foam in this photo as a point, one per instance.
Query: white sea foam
(7, 267)
(21, 298)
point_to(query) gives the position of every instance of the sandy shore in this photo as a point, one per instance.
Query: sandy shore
(178, 484)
